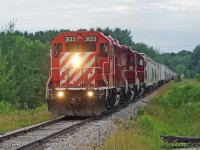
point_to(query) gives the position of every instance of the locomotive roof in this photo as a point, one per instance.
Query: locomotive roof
(89, 33)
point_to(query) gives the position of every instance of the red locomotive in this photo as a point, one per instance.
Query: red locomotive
(91, 72)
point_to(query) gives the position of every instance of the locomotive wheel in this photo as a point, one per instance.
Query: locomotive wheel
(111, 101)
(123, 98)
(128, 96)
(140, 91)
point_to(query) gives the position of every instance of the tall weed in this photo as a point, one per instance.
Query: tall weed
(176, 111)
(11, 118)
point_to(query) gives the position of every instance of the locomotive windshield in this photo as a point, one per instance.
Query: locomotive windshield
(130, 59)
(104, 49)
(81, 47)
(57, 49)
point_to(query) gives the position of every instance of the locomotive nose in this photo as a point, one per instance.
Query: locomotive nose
(76, 61)
(75, 101)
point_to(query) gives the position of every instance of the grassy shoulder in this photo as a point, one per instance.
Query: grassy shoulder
(11, 119)
(175, 111)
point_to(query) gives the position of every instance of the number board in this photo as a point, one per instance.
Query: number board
(90, 38)
(70, 39)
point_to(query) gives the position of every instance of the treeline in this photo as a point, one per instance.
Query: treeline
(23, 70)
(24, 62)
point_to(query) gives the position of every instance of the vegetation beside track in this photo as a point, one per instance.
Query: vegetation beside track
(11, 119)
(175, 111)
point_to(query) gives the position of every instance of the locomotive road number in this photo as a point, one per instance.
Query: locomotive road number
(70, 39)
(90, 38)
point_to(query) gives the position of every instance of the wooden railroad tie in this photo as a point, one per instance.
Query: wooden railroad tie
(181, 139)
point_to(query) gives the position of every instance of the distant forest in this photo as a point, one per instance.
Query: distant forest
(24, 62)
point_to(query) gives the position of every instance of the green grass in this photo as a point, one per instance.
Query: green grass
(11, 119)
(174, 112)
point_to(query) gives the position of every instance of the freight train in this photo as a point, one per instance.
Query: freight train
(92, 72)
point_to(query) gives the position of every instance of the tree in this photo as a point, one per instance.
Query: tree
(195, 60)
(27, 60)
(123, 36)
(10, 27)
(184, 53)
(31, 71)
(181, 68)
(7, 85)
(150, 51)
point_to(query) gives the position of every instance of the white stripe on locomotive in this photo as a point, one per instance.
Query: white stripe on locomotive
(85, 68)
(63, 80)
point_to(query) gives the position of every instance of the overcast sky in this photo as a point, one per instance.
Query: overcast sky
(168, 25)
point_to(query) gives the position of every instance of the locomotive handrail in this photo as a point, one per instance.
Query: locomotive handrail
(103, 75)
(50, 75)
(72, 67)
(118, 65)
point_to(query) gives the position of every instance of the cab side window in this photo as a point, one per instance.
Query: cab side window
(130, 59)
(104, 50)
(141, 62)
(57, 49)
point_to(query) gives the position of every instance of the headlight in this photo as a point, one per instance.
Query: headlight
(60, 94)
(90, 93)
(76, 60)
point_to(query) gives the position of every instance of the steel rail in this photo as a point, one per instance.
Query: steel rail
(61, 132)
(181, 139)
(29, 129)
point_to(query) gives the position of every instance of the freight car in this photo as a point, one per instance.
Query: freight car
(91, 72)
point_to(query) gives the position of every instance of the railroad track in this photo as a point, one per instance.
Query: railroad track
(32, 136)
(37, 135)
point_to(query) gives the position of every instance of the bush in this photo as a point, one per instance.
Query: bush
(6, 108)
(178, 78)
(198, 77)
(175, 112)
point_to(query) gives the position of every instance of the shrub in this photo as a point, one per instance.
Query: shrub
(198, 77)
(6, 108)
